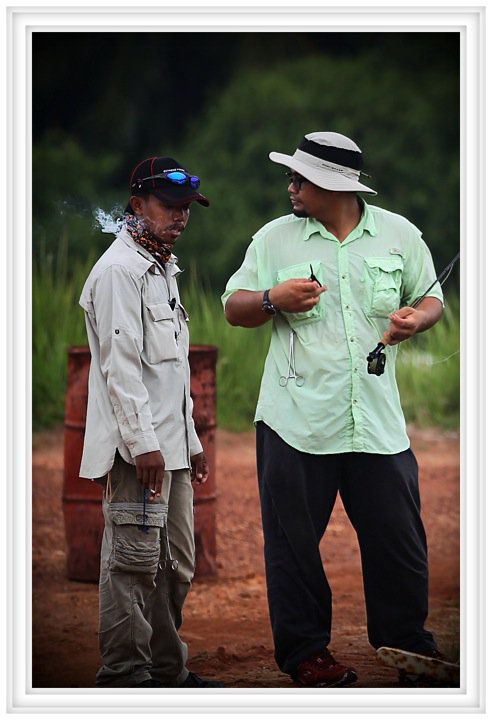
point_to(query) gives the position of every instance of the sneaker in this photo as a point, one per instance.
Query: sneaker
(322, 670)
(426, 665)
(195, 681)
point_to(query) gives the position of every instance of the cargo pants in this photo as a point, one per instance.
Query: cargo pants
(147, 565)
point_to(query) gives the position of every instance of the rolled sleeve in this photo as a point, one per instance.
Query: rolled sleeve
(246, 278)
(419, 274)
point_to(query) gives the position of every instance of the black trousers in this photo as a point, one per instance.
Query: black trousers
(380, 495)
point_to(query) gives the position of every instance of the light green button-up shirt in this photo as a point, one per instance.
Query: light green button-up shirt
(381, 266)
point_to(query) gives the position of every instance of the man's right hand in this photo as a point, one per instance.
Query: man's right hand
(244, 307)
(296, 295)
(150, 472)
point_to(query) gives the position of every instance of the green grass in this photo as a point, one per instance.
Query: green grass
(428, 372)
(57, 323)
(428, 365)
(241, 355)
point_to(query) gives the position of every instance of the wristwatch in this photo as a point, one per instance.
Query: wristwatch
(266, 305)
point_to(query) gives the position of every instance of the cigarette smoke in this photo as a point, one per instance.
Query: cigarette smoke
(109, 222)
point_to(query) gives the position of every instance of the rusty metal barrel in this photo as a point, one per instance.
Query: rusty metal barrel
(203, 361)
(84, 523)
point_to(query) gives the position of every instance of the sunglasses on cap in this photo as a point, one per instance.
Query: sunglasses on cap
(176, 176)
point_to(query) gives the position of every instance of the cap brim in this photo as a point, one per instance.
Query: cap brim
(322, 177)
(180, 195)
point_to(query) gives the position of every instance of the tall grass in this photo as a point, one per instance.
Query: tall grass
(241, 355)
(428, 372)
(428, 364)
(57, 323)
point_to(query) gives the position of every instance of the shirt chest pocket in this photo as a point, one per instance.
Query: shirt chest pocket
(160, 334)
(303, 271)
(382, 276)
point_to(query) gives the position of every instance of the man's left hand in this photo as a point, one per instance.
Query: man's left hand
(404, 323)
(199, 468)
(407, 321)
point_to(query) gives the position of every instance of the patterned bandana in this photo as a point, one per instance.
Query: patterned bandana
(144, 237)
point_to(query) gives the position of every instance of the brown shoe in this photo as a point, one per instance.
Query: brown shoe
(322, 670)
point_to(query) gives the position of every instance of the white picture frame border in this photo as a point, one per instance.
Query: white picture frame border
(20, 22)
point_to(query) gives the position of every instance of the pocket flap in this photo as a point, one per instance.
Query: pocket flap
(160, 311)
(133, 514)
(302, 271)
(386, 264)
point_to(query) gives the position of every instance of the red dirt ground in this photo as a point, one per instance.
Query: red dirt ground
(226, 618)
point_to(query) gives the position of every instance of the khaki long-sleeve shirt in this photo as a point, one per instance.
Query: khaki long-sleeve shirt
(139, 380)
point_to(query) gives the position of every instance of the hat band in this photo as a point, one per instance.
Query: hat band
(319, 164)
(340, 156)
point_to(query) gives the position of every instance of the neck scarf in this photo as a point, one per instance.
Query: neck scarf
(140, 233)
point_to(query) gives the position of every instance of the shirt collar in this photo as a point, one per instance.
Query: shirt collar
(152, 264)
(366, 223)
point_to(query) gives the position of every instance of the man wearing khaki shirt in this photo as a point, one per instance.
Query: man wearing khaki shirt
(140, 440)
(335, 278)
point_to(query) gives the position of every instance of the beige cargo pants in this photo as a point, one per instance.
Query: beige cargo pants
(147, 564)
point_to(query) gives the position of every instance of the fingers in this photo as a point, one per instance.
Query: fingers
(398, 330)
(311, 288)
(201, 474)
(404, 323)
(403, 312)
(401, 323)
(155, 483)
(199, 469)
(297, 294)
(316, 290)
(405, 318)
(152, 479)
(313, 297)
(150, 469)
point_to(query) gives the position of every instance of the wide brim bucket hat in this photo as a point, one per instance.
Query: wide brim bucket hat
(329, 160)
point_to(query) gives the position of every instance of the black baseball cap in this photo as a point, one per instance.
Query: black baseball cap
(167, 179)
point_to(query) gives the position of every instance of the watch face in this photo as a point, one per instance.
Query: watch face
(268, 308)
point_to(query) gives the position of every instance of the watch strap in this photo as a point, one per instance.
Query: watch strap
(267, 306)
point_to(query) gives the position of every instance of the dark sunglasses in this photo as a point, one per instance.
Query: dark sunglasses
(296, 180)
(178, 177)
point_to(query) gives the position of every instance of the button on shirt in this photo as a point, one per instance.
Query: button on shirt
(381, 266)
(139, 380)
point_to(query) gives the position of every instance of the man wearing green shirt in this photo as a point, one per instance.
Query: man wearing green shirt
(335, 277)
